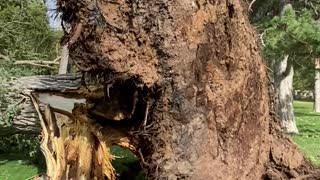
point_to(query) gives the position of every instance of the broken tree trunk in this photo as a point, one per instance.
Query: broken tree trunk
(180, 83)
(74, 145)
(26, 119)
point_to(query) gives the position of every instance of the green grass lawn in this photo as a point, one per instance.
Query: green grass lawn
(14, 167)
(308, 124)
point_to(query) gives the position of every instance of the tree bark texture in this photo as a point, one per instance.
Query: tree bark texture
(26, 121)
(181, 83)
(284, 88)
(317, 86)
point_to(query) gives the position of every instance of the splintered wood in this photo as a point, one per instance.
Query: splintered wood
(74, 144)
(75, 147)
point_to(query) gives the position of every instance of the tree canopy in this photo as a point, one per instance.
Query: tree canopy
(24, 30)
(24, 35)
(292, 29)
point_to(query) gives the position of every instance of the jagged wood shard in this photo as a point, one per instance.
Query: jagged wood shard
(74, 143)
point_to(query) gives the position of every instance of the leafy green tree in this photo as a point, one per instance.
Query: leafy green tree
(304, 74)
(24, 35)
(295, 34)
(24, 30)
(290, 38)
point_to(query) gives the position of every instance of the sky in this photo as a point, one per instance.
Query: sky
(55, 22)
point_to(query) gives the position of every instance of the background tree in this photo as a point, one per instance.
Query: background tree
(24, 36)
(288, 38)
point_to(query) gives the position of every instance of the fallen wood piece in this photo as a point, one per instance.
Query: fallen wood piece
(23, 62)
(36, 64)
(27, 119)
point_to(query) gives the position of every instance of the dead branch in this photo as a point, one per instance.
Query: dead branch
(35, 176)
(261, 38)
(146, 115)
(142, 158)
(36, 62)
(251, 4)
(269, 69)
(44, 64)
(57, 59)
(6, 58)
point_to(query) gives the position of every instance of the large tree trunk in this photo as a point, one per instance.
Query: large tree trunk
(180, 83)
(317, 86)
(284, 88)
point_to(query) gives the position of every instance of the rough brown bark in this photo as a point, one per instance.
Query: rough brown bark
(188, 77)
(27, 120)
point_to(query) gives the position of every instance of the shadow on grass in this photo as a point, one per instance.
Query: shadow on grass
(300, 114)
(127, 165)
(4, 158)
(18, 166)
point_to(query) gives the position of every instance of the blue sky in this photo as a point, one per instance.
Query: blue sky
(51, 13)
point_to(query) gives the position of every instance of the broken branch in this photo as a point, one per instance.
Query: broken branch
(36, 62)
(44, 64)
(57, 59)
(146, 115)
(251, 4)
(6, 58)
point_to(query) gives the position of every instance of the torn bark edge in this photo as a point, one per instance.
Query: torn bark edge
(45, 138)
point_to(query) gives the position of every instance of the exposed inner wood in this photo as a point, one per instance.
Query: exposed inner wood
(80, 124)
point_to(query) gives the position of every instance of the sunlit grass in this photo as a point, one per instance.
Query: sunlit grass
(14, 169)
(308, 123)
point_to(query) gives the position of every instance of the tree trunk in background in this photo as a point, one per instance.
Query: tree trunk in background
(180, 83)
(284, 88)
(317, 86)
(64, 62)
